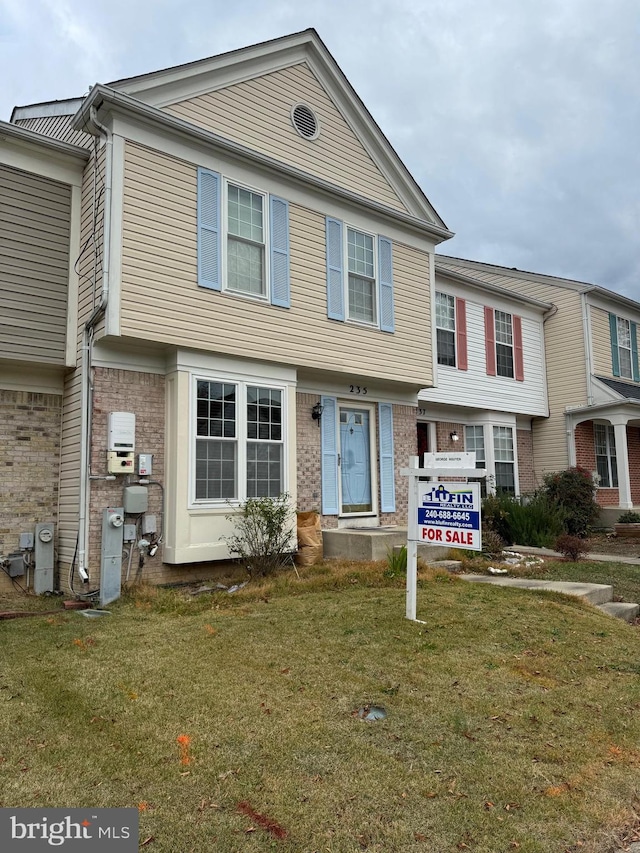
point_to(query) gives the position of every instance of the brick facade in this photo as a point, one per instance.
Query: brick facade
(309, 459)
(142, 394)
(586, 458)
(29, 465)
(526, 475)
(444, 444)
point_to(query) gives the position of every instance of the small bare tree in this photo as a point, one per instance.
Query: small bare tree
(263, 533)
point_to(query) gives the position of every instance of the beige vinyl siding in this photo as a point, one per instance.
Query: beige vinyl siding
(90, 262)
(57, 127)
(257, 113)
(161, 300)
(601, 342)
(68, 495)
(35, 222)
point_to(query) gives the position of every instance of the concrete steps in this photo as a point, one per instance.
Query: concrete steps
(372, 543)
(598, 594)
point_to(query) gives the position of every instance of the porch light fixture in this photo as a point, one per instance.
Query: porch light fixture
(454, 436)
(316, 412)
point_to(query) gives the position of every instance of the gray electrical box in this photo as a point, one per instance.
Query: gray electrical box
(16, 564)
(130, 533)
(111, 556)
(44, 558)
(136, 500)
(149, 525)
(26, 541)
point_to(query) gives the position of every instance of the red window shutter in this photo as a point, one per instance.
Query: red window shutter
(517, 348)
(490, 341)
(461, 334)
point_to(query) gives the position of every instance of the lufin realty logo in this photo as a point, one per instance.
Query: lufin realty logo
(440, 495)
(29, 830)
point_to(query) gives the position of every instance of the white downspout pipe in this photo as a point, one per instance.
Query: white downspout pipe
(87, 349)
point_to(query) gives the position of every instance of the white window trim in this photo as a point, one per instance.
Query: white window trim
(490, 455)
(497, 343)
(224, 243)
(455, 333)
(241, 436)
(626, 349)
(373, 437)
(374, 324)
(608, 455)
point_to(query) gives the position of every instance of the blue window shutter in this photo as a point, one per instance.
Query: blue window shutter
(329, 441)
(279, 235)
(634, 352)
(385, 272)
(209, 229)
(387, 468)
(335, 284)
(615, 358)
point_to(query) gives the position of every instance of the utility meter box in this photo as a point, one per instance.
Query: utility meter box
(120, 462)
(122, 432)
(136, 500)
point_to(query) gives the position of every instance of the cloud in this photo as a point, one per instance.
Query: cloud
(519, 120)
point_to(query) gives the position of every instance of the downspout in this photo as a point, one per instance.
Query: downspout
(588, 349)
(87, 351)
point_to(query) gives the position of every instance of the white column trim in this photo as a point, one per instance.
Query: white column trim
(622, 461)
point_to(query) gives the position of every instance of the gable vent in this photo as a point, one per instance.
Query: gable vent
(305, 122)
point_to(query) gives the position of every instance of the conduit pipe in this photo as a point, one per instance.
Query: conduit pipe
(87, 349)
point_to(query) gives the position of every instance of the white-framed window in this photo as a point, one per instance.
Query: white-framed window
(623, 328)
(474, 442)
(504, 344)
(606, 462)
(504, 459)
(246, 240)
(361, 278)
(239, 440)
(446, 329)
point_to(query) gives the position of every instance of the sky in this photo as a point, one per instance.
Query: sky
(519, 119)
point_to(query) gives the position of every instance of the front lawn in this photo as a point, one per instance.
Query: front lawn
(512, 720)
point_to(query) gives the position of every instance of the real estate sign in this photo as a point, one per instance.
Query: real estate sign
(448, 514)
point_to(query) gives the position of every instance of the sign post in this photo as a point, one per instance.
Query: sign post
(441, 513)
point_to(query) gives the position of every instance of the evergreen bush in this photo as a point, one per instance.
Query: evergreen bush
(574, 491)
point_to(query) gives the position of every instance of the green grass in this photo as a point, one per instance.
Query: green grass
(512, 717)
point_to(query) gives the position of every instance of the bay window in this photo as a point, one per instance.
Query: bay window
(239, 441)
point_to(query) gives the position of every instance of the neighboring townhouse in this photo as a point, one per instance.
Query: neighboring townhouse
(256, 276)
(40, 181)
(490, 378)
(593, 380)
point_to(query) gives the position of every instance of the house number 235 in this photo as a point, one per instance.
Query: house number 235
(357, 389)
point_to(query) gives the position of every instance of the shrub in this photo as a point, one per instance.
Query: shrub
(574, 491)
(571, 547)
(492, 543)
(629, 517)
(263, 533)
(537, 522)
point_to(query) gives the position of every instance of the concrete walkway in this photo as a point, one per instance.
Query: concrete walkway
(598, 558)
(598, 594)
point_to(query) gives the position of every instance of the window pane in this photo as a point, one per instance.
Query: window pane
(245, 267)
(245, 214)
(445, 312)
(264, 421)
(446, 343)
(474, 441)
(264, 470)
(504, 360)
(505, 478)
(624, 357)
(216, 409)
(216, 474)
(503, 328)
(361, 299)
(503, 444)
(360, 253)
